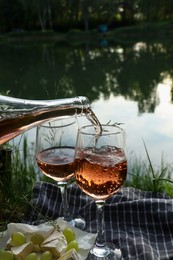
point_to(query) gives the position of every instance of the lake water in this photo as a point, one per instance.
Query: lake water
(131, 84)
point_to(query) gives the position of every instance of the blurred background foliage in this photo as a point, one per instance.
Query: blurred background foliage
(63, 15)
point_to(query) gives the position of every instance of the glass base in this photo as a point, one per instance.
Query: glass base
(107, 252)
(75, 221)
(79, 222)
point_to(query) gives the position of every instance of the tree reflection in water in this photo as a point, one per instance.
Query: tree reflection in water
(41, 71)
(109, 76)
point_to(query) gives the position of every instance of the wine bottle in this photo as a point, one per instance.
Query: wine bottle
(19, 115)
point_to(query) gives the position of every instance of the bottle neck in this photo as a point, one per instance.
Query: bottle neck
(12, 107)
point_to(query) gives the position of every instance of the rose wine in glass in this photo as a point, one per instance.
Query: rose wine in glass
(101, 169)
(55, 151)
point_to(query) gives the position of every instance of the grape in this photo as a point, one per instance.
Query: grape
(32, 256)
(47, 255)
(37, 239)
(73, 244)
(69, 234)
(6, 255)
(1, 251)
(17, 239)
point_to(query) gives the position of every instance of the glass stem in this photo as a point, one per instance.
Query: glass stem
(100, 241)
(65, 202)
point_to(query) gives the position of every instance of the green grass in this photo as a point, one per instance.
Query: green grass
(16, 185)
(143, 175)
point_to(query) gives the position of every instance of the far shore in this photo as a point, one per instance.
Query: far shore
(147, 32)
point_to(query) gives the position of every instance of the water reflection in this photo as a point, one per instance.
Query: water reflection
(125, 83)
(155, 129)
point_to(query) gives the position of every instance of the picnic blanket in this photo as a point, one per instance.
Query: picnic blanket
(139, 222)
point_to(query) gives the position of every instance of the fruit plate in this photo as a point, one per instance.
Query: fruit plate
(85, 240)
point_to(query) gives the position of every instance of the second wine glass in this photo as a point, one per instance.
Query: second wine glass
(101, 169)
(55, 150)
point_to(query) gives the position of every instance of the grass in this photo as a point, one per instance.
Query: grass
(143, 175)
(16, 186)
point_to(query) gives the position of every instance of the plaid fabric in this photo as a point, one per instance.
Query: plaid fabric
(140, 222)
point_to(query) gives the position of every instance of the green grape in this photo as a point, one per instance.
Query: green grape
(31, 256)
(47, 255)
(37, 239)
(73, 244)
(6, 255)
(17, 239)
(1, 252)
(69, 234)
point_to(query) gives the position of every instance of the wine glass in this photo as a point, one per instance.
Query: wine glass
(101, 169)
(55, 151)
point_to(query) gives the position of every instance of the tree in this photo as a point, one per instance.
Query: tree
(11, 15)
(42, 9)
(150, 10)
